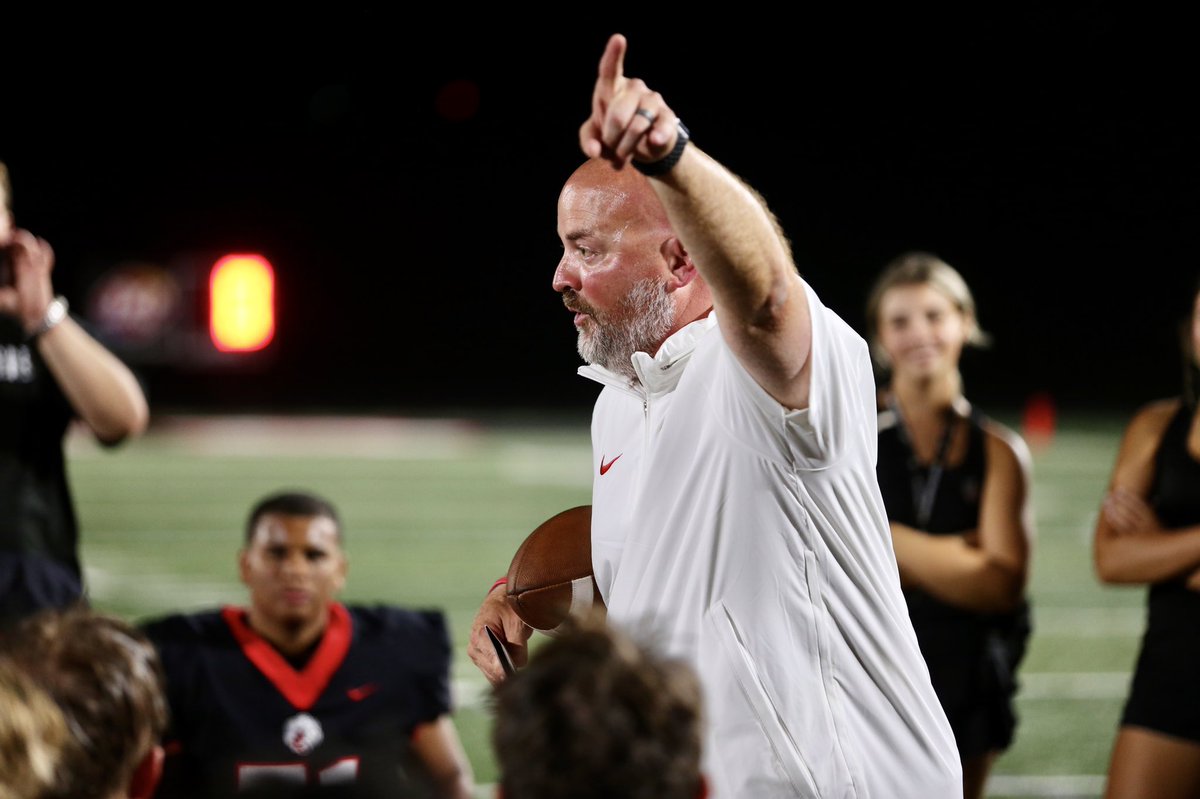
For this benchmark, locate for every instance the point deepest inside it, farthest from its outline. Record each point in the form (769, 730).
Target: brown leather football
(550, 577)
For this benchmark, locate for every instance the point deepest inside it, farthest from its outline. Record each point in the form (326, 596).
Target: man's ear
(244, 565)
(702, 788)
(679, 263)
(343, 570)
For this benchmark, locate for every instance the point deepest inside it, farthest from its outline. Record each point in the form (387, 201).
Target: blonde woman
(956, 488)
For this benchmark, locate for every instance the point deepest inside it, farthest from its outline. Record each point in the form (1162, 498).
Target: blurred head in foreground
(32, 732)
(597, 714)
(105, 677)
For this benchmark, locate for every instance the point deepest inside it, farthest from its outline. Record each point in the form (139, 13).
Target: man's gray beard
(638, 324)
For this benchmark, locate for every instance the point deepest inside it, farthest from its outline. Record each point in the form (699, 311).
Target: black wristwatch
(665, 164)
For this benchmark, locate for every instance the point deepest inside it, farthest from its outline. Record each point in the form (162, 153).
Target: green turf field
(434, 509)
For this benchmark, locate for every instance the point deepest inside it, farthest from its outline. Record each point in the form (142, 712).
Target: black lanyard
(924, 487)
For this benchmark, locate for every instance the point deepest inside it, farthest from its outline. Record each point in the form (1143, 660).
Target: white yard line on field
(155, 588)
(472, 690)
(1082, 685)
(384, 437)
(1069, 786)
(1077, 622)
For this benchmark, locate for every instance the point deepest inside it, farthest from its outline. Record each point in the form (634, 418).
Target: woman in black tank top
(1148, 531)
(956, 488)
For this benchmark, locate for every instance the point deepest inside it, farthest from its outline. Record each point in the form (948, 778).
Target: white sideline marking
(472, 690)
(564, 461)
(1073, 685)
(1076, 622)
(156, 588)
(558, 465)
(1076, 786)
(1060, 786)
(376, 437)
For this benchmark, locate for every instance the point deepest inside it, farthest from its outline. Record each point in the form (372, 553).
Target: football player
(298, 692)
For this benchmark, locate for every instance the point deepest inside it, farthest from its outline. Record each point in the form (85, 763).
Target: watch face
(56, 311)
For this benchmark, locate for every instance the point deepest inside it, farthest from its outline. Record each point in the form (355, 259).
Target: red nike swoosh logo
(604, 467)
(362, 692)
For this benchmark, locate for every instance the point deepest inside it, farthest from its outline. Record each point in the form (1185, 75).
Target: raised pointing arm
(730, 234)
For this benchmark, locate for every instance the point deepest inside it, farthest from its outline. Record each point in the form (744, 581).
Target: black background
(1048, 154)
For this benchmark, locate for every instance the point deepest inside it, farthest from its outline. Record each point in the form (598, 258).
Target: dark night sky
(1047, 154)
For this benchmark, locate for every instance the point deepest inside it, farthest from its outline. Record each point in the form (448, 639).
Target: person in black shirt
(956, 488)
(51, 372)
(298, 694)
(1148, 532)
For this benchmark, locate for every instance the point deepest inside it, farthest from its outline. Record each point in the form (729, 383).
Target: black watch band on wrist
(665, 164)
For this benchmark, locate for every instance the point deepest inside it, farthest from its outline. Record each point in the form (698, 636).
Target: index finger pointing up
(612, 63)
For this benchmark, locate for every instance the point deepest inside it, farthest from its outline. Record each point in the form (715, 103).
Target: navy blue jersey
(244, 720)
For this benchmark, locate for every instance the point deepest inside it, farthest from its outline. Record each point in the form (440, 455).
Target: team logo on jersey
(302, 733)
(362, 692)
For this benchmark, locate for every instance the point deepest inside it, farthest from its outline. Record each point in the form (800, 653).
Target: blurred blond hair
(32, 732)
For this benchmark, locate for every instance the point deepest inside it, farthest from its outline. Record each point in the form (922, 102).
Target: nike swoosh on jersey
(604, 467)
(362, 692)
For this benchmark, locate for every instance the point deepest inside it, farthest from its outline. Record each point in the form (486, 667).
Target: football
(550, 577)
